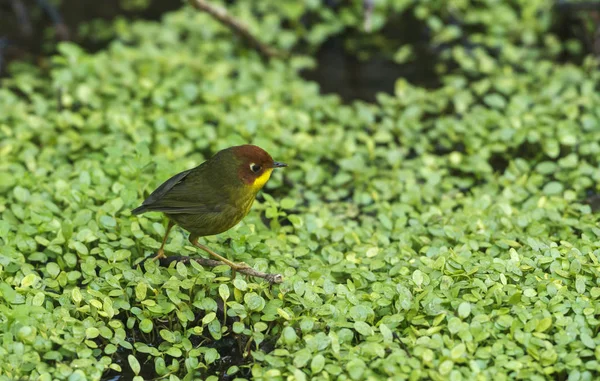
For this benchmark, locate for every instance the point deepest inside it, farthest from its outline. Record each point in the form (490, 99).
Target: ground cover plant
(435, 234)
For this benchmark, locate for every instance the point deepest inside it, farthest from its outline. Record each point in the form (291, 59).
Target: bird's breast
(244, 202)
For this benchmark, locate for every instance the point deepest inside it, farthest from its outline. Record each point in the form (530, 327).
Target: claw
(160, 254)
(240, 266)
(235, 267)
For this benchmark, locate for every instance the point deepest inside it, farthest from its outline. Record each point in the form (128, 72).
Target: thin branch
(564, 5)
(271, 278)
(368, 6)
(22, 17)
(237, 26)
(3, 46)
(62, 31)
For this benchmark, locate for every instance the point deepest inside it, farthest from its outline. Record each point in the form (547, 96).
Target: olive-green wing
(178, 195)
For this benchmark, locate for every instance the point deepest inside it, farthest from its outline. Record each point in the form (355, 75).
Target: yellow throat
(262, 179)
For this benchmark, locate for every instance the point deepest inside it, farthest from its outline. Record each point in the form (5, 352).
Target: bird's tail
(139, 210)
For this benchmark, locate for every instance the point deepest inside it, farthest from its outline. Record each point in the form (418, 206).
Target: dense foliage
(437, 234)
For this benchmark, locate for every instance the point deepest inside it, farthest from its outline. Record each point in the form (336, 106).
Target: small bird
(214, 196)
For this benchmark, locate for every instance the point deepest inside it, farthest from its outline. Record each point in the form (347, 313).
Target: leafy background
(436, 233)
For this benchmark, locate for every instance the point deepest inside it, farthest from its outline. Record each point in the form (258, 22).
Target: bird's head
(254, 165)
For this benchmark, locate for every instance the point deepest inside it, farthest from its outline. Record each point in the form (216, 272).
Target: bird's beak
(279, 165)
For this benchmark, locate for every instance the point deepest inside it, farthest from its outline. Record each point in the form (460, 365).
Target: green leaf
(254, 301)
(140, 291)
(211, 356)
(167, 336)
(92, 333)
(417, 277)
(580, 284)
(209, 317)
(81, 248)
(53, 269)
(587, 340)
(464, 310)
(553, 188)
(287, 203)
(495, 101)
(240, 284)
(76, 295)
(387, 334)
(446, 367)
(174, 352)
(301, 358)
(108, 222)
(289, 335)
(146, 325)
(238, 327)
(224, 292)
(134, 364)
(317, 363)
(29, 280)
(22, 195)
(181, 269)
(363, 328)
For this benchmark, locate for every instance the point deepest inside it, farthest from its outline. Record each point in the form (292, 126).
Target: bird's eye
(255, 168)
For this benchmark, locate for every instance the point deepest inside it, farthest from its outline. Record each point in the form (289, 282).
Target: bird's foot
(235, 267)
(159, 254)
(240, 266)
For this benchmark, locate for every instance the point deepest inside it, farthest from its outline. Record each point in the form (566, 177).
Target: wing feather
(165, 187)
(174, 197)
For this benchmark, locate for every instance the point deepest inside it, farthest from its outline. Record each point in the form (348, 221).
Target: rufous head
(254, 165)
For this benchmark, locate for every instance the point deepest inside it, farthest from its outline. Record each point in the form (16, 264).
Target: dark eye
(255, 168)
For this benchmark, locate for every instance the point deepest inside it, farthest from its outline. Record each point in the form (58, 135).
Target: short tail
(139, 210)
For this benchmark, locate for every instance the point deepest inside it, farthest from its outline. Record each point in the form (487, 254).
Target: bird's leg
(161, 252)
(234, 266)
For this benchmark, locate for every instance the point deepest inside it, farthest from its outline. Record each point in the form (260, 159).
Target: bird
(212, 197)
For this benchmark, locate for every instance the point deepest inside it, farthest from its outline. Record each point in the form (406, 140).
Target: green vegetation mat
(437, 234)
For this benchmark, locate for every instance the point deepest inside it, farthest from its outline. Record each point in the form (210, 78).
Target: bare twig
(564, 5)
(62, 31)
(238, 27)
(59, 96)
(3, 45)
(368, 6)
(271, 278)
(22, 17)
(595, 38)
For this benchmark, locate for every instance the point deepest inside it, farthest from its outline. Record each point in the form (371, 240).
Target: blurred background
(360, 46)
